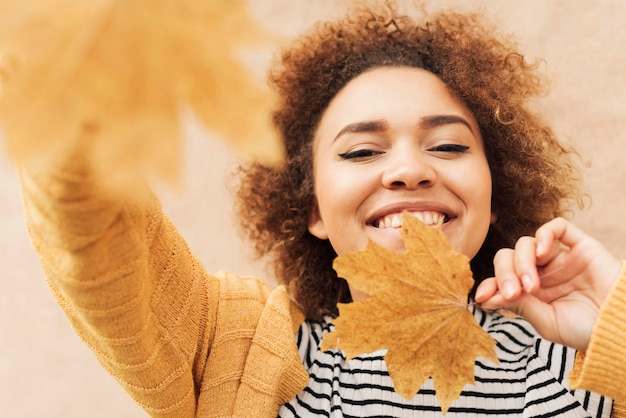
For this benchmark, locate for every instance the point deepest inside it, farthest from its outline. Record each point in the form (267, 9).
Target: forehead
(397, 94)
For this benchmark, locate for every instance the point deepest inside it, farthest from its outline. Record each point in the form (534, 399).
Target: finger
(494, 303)
(559, 230)
(562, 249)
(495, 300)
(486, 289)
(546, 234)
(526, 263)
(506, 278)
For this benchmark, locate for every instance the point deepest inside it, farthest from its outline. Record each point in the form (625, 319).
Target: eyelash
(366, 153)
(457, 148)
(359, 153)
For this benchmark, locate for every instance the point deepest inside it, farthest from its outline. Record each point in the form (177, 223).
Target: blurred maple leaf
(417, 310)
(126, 70)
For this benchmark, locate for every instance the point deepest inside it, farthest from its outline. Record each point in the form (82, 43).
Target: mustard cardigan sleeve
(603, 367)
(128, 284)
(177, 339)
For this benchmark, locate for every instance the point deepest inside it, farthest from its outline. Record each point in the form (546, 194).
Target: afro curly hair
(534, 176)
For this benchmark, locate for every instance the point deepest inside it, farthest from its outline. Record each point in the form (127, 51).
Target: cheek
(476, 186)
(480, 194)
(338, 191)
(479, 201)
(475, 189)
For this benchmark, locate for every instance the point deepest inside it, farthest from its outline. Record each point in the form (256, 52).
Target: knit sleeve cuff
(604, 362)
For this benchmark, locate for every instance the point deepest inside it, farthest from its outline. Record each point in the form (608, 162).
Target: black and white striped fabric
(530, 381)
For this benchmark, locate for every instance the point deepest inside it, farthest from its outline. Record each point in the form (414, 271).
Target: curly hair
(534, 176)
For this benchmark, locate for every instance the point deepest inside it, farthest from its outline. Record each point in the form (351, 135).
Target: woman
(379, 115)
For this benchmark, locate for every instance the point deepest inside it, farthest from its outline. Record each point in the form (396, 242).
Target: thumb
(539, 314)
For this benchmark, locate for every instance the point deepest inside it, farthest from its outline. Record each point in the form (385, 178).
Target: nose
(408, 170)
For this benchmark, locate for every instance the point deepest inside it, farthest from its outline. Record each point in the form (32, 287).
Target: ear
(494, 218)
(316, 224)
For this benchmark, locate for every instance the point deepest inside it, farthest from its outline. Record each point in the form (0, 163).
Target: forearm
(111, 263)
(89, 245)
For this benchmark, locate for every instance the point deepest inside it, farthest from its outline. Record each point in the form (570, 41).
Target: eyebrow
(369, 126)
(427, 122)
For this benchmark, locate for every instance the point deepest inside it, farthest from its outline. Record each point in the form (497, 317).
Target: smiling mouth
(394, 220)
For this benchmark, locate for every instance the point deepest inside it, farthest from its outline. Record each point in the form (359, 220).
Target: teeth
(395, 220)
(421, 216)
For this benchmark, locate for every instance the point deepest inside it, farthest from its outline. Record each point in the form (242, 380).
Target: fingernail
(508, 290)
(527, 282)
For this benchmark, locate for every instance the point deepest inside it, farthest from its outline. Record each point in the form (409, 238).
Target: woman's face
(395, 139)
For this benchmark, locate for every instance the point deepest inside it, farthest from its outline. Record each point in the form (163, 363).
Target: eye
(359, 154)
(452, 148)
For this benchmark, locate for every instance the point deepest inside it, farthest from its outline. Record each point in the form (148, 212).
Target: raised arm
(127, 281)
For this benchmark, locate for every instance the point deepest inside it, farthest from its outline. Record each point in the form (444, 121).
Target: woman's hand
(557, 280)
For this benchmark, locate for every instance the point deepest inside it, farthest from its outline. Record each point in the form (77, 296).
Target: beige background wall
(46, 371)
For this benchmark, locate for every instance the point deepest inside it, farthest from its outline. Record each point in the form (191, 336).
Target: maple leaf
(128, 70)
(417, 310)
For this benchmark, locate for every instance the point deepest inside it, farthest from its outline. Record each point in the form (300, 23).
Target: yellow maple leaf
(417, 310)
(127, 70)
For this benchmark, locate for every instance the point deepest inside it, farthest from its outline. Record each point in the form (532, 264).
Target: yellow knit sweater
(184, 343)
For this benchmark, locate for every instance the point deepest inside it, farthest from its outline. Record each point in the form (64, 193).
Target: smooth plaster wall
(45, 370)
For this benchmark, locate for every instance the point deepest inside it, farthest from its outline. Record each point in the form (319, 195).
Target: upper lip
(410, 207)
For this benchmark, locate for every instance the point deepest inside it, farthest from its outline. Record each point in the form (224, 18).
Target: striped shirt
(530, 381)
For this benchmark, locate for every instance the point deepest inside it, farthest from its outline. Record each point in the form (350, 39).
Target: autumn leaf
(417, 310)
(129, 71)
